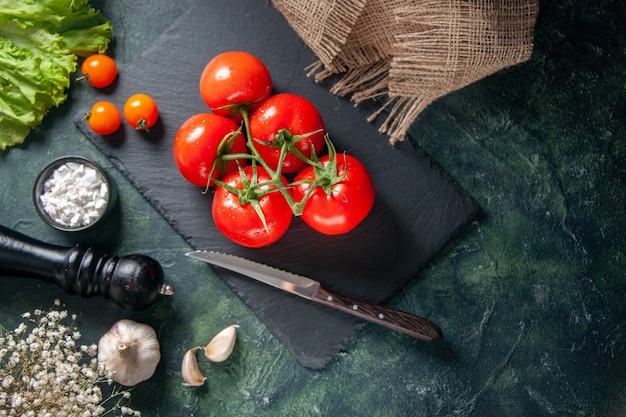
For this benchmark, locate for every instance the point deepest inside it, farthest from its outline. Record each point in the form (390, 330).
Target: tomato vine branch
(326, 175)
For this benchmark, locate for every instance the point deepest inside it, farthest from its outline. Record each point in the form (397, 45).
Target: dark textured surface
(417, 207)
(531, 296)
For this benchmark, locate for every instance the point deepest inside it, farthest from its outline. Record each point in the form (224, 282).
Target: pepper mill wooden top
(133, 282)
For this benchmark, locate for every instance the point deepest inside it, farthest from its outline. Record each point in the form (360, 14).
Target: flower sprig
(46, 372)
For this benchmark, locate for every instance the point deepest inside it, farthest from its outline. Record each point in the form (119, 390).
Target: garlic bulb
(221, 346)
(190, 370)
(129, 352)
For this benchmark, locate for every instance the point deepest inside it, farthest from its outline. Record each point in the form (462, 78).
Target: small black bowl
(77, 196)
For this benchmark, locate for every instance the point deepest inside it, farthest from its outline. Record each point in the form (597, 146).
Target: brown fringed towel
(410, 52)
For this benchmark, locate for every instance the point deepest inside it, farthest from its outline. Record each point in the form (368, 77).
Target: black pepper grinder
(133, 282)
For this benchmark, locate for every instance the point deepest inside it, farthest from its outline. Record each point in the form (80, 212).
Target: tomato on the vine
(104, 118)
(248, 218)
(344, 196)
(141, 111)
(291, 120)
(234, 80)
(197, 145)
(100, 70)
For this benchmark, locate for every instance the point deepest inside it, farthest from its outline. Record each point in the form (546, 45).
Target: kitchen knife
(400, 321)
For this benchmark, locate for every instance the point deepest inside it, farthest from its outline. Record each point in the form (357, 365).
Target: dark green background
(530, 296)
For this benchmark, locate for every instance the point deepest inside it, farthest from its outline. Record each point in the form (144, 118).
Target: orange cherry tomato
(141, 111)
(104, 118)
(100, 70)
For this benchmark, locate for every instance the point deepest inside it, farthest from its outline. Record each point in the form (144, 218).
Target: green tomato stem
(256, 157)
(325, 176)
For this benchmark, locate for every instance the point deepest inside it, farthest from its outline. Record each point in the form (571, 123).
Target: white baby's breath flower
(130, 412)
(14, 359)
(88, 372)
(44, 372)
(10, 343)
(20, 329)
(6, 383)
(70, 343)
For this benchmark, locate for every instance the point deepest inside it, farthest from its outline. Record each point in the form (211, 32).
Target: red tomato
(238, 220)
(285, 118)
(100, 70)
(104, 118)
(141, 111)
(339, 206)
(234, 80)
(197, 145)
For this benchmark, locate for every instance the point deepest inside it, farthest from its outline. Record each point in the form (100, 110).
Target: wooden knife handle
(409, 324)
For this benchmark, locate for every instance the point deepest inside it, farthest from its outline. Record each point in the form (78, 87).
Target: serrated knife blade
(398, 320)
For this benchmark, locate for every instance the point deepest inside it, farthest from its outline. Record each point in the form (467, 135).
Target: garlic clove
(221, 346)
(129, 352)
(190, 370)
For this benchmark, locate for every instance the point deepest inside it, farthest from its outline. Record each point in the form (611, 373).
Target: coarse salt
(75, 195)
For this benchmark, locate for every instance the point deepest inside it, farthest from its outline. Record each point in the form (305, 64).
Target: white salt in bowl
(73, 193)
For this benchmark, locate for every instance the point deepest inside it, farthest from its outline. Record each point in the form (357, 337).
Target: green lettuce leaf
(39, 44)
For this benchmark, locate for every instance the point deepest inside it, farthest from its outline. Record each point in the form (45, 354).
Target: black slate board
(417, 208)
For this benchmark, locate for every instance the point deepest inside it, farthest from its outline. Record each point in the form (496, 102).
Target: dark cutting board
(417, 207)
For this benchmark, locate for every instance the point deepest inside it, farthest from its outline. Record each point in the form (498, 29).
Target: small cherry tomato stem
(235, 156)
(275, 174)
(223, 156)
(298, 207)
(326, 176)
